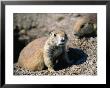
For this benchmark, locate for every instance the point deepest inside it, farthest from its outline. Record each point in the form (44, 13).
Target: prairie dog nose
(63, 40)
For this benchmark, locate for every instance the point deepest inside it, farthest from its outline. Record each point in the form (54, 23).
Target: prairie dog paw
(51, 70)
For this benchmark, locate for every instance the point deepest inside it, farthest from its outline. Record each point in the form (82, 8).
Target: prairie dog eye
(54, 35)
(66, 36)
(82, 25)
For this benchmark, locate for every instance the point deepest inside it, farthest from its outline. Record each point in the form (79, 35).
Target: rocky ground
(83, 50)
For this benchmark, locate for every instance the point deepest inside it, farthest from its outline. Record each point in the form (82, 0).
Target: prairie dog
(85, 25)
(44, 52)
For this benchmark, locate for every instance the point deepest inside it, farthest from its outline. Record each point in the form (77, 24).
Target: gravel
(27, 27)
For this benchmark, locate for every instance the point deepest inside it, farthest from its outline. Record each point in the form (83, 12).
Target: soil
(28, 27)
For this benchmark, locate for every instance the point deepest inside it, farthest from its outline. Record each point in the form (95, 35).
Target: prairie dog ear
(50, 33)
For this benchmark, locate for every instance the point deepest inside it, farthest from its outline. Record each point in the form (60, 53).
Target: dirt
(83, 50)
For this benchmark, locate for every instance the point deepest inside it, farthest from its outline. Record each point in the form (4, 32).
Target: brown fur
(36, 55)
(85, 25)
(31, 57)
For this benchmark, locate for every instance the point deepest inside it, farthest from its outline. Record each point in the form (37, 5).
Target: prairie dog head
(84, 25)
(58, 38)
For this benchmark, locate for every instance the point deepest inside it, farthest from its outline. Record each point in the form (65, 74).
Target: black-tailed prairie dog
(85, 25)
(44, 52)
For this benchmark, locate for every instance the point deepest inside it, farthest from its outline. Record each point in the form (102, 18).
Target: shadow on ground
(77, 56)
(18, 45)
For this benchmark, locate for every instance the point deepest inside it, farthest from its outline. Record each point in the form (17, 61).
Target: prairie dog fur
(85, 25)
(44, 52)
